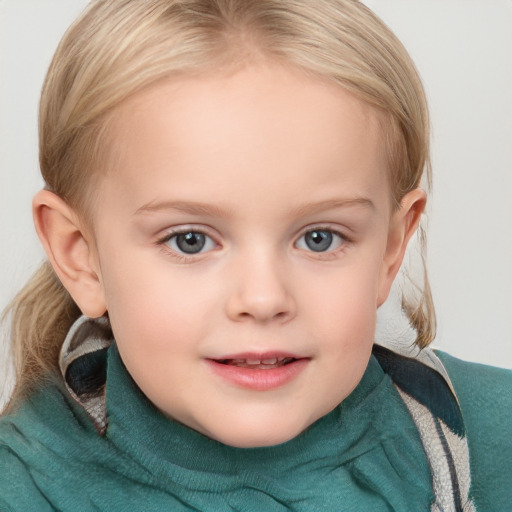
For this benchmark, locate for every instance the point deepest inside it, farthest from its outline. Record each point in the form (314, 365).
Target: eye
(190, 242)
(320, 240)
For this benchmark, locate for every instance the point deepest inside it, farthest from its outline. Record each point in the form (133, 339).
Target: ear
(404, 223)
(69, 251)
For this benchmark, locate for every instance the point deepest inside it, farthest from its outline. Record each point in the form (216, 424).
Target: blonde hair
(118, 47)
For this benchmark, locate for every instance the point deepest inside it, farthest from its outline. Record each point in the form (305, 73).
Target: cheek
(346, 295)
(342, 310)
(150, 300)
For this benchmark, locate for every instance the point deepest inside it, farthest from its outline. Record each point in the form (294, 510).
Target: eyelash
(164, 242)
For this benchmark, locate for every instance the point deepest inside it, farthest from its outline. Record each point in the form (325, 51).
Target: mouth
(256, 363)
(259, 372)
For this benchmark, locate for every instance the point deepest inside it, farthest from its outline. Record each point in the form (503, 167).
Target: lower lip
(259, 380)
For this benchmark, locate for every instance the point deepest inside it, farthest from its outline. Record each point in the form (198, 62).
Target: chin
(257, 441)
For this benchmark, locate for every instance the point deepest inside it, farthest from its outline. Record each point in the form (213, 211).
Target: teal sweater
(365, 455)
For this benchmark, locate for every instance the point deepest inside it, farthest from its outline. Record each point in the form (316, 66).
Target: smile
(259, 372)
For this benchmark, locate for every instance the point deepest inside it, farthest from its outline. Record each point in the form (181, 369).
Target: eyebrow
(332, 204)
(191, 208)
(211, 210)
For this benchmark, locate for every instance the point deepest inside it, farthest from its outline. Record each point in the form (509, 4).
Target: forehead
(263, 127)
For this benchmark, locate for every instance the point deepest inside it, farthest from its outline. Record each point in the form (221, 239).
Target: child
(230, 190)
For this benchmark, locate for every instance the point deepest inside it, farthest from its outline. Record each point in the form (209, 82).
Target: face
(243, 241)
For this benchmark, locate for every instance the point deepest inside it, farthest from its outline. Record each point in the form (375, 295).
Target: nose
(260, 291)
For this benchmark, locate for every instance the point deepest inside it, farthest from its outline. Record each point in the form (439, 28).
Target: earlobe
(69, 251)
(403, 225)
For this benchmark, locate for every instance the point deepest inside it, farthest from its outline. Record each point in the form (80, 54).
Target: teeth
(269, 361)
(272, 360)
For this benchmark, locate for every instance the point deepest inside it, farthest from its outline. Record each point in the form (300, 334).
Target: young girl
(230, 190)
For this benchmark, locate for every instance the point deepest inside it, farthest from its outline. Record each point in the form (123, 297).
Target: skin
(254, 159)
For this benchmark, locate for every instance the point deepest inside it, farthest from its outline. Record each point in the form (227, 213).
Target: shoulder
(484, 392)
(18, 491)
(485, 397)
(48, 415)
(37, 442)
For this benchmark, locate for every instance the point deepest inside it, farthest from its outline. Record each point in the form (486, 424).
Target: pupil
(318, 241)
(190, 243)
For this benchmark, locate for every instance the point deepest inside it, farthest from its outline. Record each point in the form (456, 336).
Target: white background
(463, 50)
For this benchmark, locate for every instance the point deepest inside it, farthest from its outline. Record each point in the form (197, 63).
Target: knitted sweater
(364, 455)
